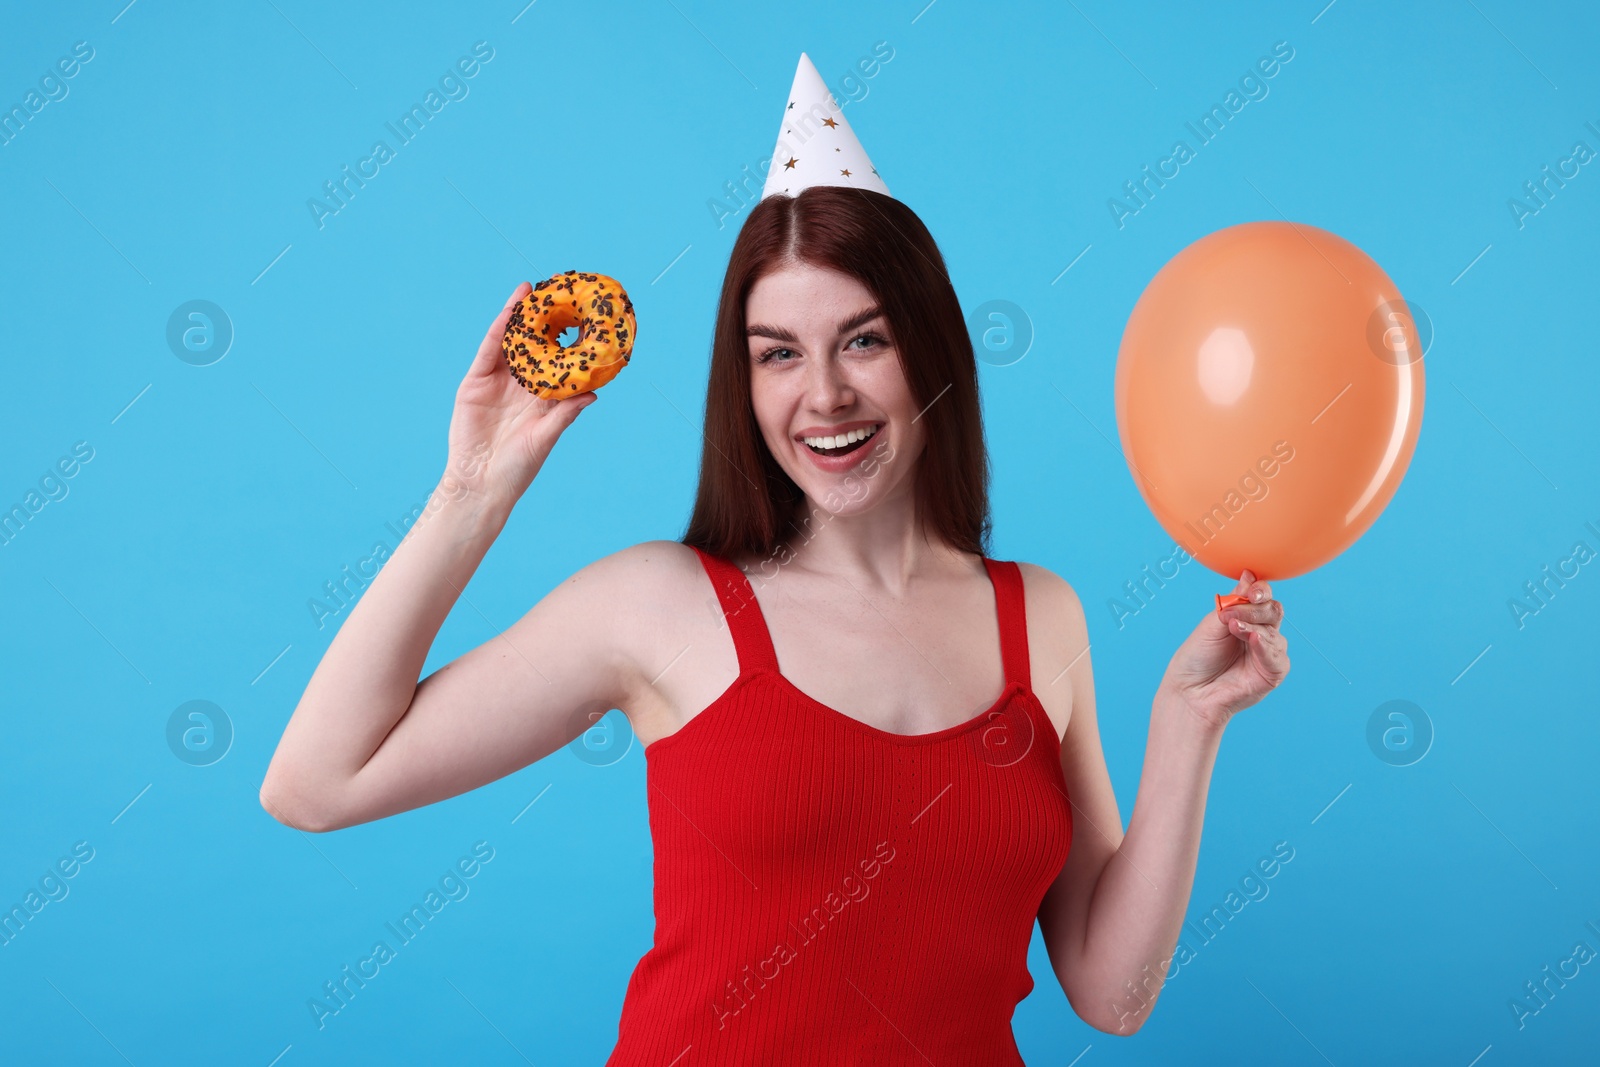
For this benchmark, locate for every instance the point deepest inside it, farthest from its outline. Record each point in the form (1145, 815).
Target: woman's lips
(841, 463)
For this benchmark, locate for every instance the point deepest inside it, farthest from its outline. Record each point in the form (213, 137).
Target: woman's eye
(772, 355)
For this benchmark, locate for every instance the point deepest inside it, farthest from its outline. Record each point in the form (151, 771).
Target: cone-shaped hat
(816, 146)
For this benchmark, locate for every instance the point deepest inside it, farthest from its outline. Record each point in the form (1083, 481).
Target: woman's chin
(846, 485)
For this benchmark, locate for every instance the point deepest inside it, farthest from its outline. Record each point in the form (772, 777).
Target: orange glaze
(598, 306)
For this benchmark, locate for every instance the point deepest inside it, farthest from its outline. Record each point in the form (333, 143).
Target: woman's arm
(1113, 916)
(365, 739)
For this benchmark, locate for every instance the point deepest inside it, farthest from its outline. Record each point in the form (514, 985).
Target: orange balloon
(1269, 393)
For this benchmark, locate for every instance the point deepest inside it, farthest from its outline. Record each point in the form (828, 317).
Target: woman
(853, 834)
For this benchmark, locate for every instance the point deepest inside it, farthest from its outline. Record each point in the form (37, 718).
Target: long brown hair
(746, 503)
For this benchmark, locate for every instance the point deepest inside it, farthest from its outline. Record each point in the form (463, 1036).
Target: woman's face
(823, 366)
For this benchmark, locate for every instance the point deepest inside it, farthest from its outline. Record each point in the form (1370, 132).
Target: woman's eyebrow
(778, 333)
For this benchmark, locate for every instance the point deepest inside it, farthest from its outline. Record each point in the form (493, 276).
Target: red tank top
(827, 892)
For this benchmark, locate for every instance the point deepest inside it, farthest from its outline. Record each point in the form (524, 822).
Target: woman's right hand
(500, 433)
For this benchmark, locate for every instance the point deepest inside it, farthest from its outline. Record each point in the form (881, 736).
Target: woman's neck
(885, 547)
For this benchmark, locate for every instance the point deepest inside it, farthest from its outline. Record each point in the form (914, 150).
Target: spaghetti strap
(751, 640)
(1009, 605)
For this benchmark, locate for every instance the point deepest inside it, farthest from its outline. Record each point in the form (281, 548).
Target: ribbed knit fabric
(827, 892)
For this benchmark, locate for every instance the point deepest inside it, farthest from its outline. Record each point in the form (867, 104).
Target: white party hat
(816, 146)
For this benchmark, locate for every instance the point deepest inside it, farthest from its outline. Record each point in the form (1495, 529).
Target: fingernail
(1257, 596)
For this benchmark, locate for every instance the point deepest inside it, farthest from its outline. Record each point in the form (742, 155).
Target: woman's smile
(842, 448)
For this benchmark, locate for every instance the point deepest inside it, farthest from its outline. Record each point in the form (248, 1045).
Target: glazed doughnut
(598, 306)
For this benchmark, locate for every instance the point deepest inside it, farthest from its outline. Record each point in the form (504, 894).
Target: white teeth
(840, 440)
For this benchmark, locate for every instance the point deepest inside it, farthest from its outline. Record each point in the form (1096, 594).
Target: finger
(577, 403)
(1265, 639)
(489, 352)
(1260, 592)
(562, 414)
(1268, 614)
(1245, 578)
(1255, 637)
(1271, 649)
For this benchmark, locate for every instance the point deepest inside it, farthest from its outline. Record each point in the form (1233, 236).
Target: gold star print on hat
(815, 144)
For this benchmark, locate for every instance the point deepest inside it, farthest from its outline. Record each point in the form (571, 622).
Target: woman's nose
(826, 386)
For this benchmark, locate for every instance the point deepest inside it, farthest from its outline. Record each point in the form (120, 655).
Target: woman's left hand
(1230, 662)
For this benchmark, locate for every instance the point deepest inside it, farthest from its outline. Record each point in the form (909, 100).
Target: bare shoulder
(640, 586)
(1058, 640)
(1051, 600)
(644, 595)
(652, 562)
(667, 629)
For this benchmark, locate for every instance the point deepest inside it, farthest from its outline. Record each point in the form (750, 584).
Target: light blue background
(180, 564)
